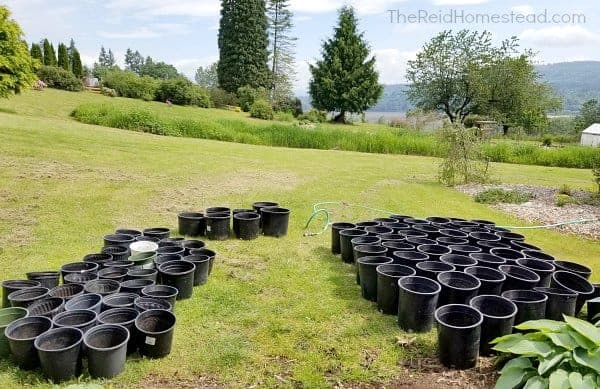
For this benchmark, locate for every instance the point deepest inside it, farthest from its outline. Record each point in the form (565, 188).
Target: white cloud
(459, 2)
(560, 36)
(151, 8)
(523, 9)
(391, 64)
(364, 7)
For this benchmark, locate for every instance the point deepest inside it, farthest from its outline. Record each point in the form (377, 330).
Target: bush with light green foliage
(129, 84)
(59, 78)
(498, 195)
(247, 95)
(313, 116)
(182, 91)
(262, 109)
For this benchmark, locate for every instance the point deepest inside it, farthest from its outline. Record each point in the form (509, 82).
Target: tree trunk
(340, 118)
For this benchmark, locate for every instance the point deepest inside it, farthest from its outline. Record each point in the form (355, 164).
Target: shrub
(551, 354)
(129, 84)
(464, 162)
(108, 92)
(221, 98)
(59, 78)
(290, 105)
(284, 116)
(313, 116)
(199, 97)
(563, 199)
(262, 109)
(181, 91)
(247, 95)
(565, 190)
(497, 195)
(547, 140)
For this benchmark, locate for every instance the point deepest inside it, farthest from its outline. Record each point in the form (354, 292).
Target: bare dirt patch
(542, 209)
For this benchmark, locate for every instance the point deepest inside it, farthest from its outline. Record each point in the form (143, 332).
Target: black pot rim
(541, 297)
(432, 283)
(57, 302)
(369, 240)
(441, 310)
(485, 257)
(43, 274)
(375, 260)
(525, 262)
(362, 247)
(458, 274)
(55, 331)
(107, 299)
(150, 312)
(411, 255)
(19, 283)
(95, 297)
(476, 268)
(275, 210)
(102, 316)
(394, 244)
(162, 268)
(58, 317)
(506, 269)
(24, 320)
(167, 306)
(581, 280)
(190, 215)
(497, 298)
(452, 259)
(89, 267)
(17, 293)
(342, 225)
(556, 291)
(104, 327)
(384, 268)
(121, 238)
(426, 249)
(430, 266)
(173, 289)
(141, 272)
(246, 216)
(573, 267)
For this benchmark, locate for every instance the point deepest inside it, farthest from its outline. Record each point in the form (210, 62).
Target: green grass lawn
(275, 312)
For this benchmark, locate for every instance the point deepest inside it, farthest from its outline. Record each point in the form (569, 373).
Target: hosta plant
(551, 354)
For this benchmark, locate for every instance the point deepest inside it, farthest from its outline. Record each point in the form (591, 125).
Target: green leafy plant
(464, 162)
(59, 78)
(547, 140)
(565, 190)
(563, 199)
(551, 354)
(313, 116)
(498, 195)
(262, 109)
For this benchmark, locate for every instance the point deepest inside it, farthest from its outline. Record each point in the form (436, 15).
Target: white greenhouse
(591, 136)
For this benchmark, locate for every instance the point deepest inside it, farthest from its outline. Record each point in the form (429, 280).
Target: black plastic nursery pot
(573, 267)
(142, 274)
(508, 237)
(47, 307)
(128, 231)
(434, 251)
(408, 258)
(336, 228)
(397, 227)
(430, 230)
(414, 221)
(593, 309)
(536, 254)
(217, 226)
(517, 245)
(459, 335)
(438, 220)
(25, 297)
(518, 277)
(488, 260)
(90, 301)
(418, 241)
(387, 286)
(460, 262)
(78, 267)
(135, 286)
(157, 232)
(365, 224)
(447, 240)
(47, 279)
(475, 237)
(142, 260)
(575, 283)
(171, 241)
(531, 305)
(431, 269)
(192, 244)
(124, 317)
(82, 319)
(275, 221)
(457, 287)
(210, 253)
(191, 223)
(346, 248)
(10, 286)
(113, 273)
(168, 250)
(378, 230)
(367, 268)
(464, 249)
(417, 299)
(560, 302)
(383, 220)
(102, 287)
(367, 239)
(118, 253)
(393, 246)
(491, 279)
(7, 316)
(119, 300)
(543, 269)
(60, 354)
(156, 328)
(486, 246)
(98, 258)
(246, 225)
(166, 258)
(121, 240)
(213, 210)
(162, 292)
(498, 319)
(80, 278)
(106, 350)
(202, 263)
(391, 237)
(509, 255)
(178, 274)
(143, 238)
(142, 304)
(21, 334)
(452, 233)
(367, 250)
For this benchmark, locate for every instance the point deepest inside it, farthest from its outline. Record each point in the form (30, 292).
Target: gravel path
(542, 209)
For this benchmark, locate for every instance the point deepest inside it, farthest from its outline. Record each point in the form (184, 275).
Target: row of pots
(430, 270)
(110, 304)
(265, 216)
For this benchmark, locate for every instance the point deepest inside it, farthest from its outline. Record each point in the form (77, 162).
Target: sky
(184, 32)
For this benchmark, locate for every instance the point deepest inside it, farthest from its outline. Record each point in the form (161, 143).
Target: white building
(591, 136)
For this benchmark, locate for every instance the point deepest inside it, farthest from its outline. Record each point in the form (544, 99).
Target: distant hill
(576, 82)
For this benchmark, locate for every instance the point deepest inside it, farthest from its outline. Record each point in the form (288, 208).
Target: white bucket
(142, 247)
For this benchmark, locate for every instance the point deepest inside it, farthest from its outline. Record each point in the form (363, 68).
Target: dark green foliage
(262, 109)
(292, 105)
(49, 54)
(129, 84)
(313, 116)
(106, 59)
(220, 98)
(207, 77)
(589, 113)
(497, 195)
(59, 78)
(345, 79)
(76, 66)
(63, 57)
(464, 162)
(182, 91)
(134, 61)
(243, 44)
(158, 70)
(36, 52)
(247, 95)
(17, 67)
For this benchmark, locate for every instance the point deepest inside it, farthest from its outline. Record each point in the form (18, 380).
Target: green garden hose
(319, 208)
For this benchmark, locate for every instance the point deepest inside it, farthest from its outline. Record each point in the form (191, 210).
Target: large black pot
(491, 279)
(47, 307)
(80, 278)
(393, 246)
(21, 334)
(106, 350)
(99, 258)
(498, 319)
(431, 269)
(118, 253)
(142, 274)
(346, 248)
(460, 262)
(531, 305)
(488, 260)
(119, 300)
(434, 251)
(128, 231)
(367, 266)
(560, 302)
(202, 263)
(246, 225)
(59, 351)
(25, 297)
(573, 267)
(191, 223)
(192, 244)
(218, 226)
(78, 267)
(387, 286)
(518, 277)
(417, 299)
(486, 245)
(157, 232)
(90, 301)
(457, 287)
(113, 273)
(367, 239)
(121, 240)
(82, 319)
(135, 286)
(163, 292)
(275, 221)
(47, 279)
(179, 274)
(209, 253)
(124, 317)
(543, 269)
(10, 286)
(156, 329)
(536, 254)
(367, 250)
(459, 333)
(575, 283)
(335, 235)
(102, 287)
(7, 316)
(147, 303)
(509, 255)
(408, 258)
(170, 250)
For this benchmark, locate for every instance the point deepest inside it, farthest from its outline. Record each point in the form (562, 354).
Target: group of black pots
(476, 280)
(109, 305)
(216, 222)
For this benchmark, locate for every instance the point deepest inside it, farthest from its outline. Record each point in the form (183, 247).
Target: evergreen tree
(76, 66)
(49, 54)
(70, 50)
(243, 42)
(281, 44)
(106, 59)
(133, 61)
(111, 59)
(63, 56)
(207, 77)
(36, 52)
(345, 79)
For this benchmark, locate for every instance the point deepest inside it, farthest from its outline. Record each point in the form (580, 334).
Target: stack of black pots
(472, 278)
(215, 223)
(109, 305)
